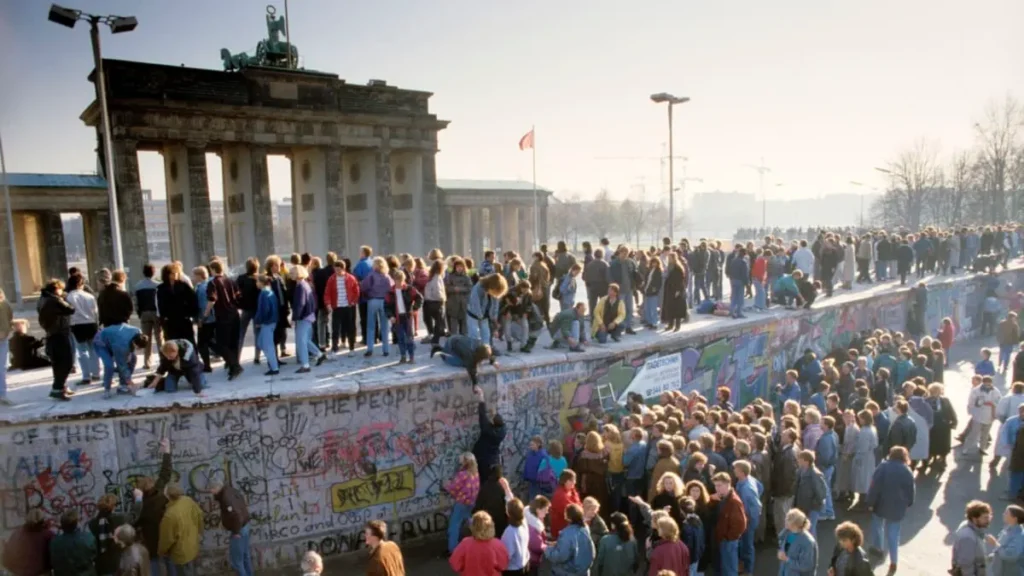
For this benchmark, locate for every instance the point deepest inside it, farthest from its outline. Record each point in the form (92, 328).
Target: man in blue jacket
(115, 345)
(265, 321)
(891, 495)
(635, 462)
(738, 272)
(826, 454)
(749, 491)
(361, 270)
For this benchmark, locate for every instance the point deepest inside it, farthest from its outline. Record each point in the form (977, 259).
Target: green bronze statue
(270, 52)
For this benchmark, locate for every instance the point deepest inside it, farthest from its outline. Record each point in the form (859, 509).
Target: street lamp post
(861, 185)
(69, 17)
(761, 170)
(664, 97)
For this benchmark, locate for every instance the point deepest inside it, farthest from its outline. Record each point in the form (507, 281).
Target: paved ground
(926, 536)
(348, 374)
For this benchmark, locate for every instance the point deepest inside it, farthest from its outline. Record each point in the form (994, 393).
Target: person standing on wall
(223, 298)
(115, 304)
(149, 317)
(55, 318)
(234, 516)
(249, 296)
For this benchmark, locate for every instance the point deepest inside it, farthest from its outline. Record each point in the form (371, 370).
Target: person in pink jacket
(480, 554)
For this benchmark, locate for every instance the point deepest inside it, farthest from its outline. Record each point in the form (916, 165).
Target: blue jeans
(760, 296)
(479, 329)
(245, 319)
(375, 317)
(156, 561)
(602, 336)
(700, 288)
(239, 553)
(651, 309)
(812, 517)
(1016, 483)
(460, 513)
(574, 333)
(179, 569)
(882, 269)
(111, 363)
(736, 298)
(265, 342)
(4, 360)
(1005, 350)
(627, 297)
(406, 339)
(616, 490)
(304, 342)
(88, 361)
(892, 536)
(828, 510)
(746, 548)
(728, 555)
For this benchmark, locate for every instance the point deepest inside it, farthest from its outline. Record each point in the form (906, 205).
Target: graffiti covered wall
(314, 471)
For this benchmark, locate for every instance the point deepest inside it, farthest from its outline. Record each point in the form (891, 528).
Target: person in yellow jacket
(609, 314)
(181, 530)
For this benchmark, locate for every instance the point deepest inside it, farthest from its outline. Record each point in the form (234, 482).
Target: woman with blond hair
(463, 488)
(616, 468)
(592, 469)
(375, 288)
(798, 551)
(304, 313)
(480, 553)
(668, 553)
(483, 307)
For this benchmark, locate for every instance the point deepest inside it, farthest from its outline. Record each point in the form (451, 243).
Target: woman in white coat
(919, 453)
(847, 452)
(849, 263)
(864, 455)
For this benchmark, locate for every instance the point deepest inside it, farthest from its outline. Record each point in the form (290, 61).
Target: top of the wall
(351, 375)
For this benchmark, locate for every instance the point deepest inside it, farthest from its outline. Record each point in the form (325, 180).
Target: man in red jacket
(341, 296)
(732, 523)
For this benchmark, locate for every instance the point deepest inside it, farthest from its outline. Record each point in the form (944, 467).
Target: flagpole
(536, 214)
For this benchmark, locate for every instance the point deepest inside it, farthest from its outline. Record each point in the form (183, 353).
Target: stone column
(309, 200)
(476, 234)
(262, 211)
(335, 200)
(7, 257)
(433, 232)
(385, 202)
(510, 228)
(497, 224)
(99, 248)
(199, 204)
(454, 223)
(543, 224)
(131, 215)
(54, 253)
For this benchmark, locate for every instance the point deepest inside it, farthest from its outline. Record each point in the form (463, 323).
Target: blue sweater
(304, 302)
(827, 450)
(574, 552)
(749, 491)
(635, 460)
(266, 308)
(118, 340)
(802, 555)
(892, 490)
(362, 268)
(481, 305)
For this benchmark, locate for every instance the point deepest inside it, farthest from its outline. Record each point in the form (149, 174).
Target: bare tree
(998, 137)
(633, 214)
(565, 218)
(603, 214)
(915, 174)
(948, 202)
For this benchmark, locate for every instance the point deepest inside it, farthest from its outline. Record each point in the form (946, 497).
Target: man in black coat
(487, 449)
(902, 430)
(115, 303)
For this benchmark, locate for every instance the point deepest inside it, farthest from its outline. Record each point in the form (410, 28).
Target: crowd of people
(679, 486)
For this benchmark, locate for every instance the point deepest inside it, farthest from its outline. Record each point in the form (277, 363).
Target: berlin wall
(315, 470)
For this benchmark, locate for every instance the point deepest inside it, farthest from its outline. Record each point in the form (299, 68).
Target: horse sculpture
(271, 51)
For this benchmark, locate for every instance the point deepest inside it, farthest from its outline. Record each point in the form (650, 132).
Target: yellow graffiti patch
(385, 487)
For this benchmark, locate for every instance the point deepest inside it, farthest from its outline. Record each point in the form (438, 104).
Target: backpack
(546, 476)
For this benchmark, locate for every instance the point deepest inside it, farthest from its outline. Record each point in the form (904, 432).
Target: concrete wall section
(315, 469)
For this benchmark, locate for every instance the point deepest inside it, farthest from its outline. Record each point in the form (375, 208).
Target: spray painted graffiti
(314, 471)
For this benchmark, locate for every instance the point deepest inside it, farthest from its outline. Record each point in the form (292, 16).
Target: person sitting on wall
(178, 359)
(26, 350)
(465, 352)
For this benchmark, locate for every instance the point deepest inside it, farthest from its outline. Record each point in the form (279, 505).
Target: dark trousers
(700, 288)
(62, 357)
(920, 267)
(343, 327)
(545, 304)
(227, 338)
(903, 275)
(207, 337)
(433, 317)
(863, 270)
(827, 278)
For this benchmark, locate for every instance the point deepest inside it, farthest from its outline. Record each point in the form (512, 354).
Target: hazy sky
(824, 90)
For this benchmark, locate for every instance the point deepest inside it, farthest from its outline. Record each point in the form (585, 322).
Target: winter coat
(692, 534)
(902, 432)
(969, 550)
(1009, 332)
(849, 264)
(54, 314)
(1008, 556)
(411, 300)
(303, 302)
(892, 490)
(661, 467)
(181, 531)
(599, 314)
(596, 277)
(673, 306)
(847, 451)
(27, 551)
(267, 308)
(623, 271)
(73, 554)
(457, 287)
(331, 300)
(669, 555)
(653, 282)
(809, 493)
(474, 557)
(750, 492)
(615, 557)
(375, 286)
(731, 521)
(108, 553)
(559, 502)
(864, 460)
(591, 470)
(177, 304)
(920, 449)
(801, 556)
(784, 470)
(573, 554)
(386, 560)
(858, 563)
(481, 305)
(488, 445)
(154, 503)
(115, 304)
(982, 403)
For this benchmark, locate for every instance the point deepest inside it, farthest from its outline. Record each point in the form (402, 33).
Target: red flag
(526, 142)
